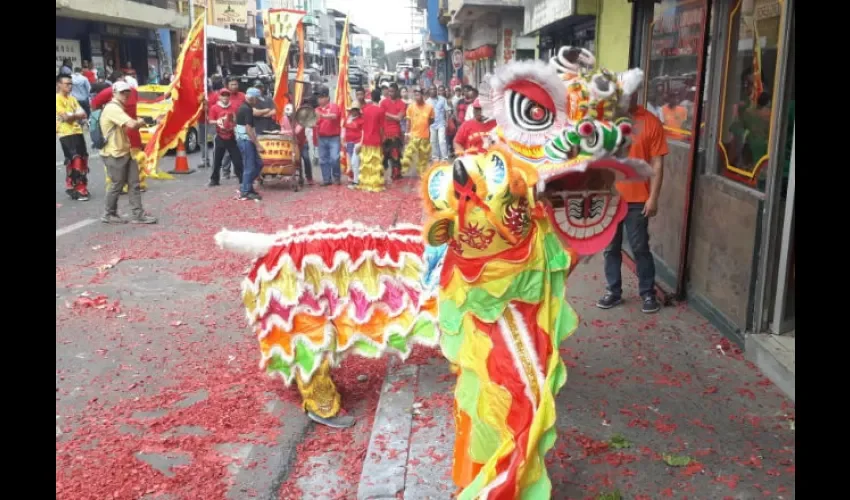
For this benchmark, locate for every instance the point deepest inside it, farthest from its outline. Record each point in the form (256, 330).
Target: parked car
(248, 74)
(356, 76)
(153, 103)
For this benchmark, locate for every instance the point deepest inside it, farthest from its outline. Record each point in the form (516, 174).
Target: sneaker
(255, 195)
(250, 197)
(83, 197)
(143, 219)
(352, 186)
(310, 183)
(326, 184)
(226, 175)
(650, 304)
(112, 219)
(213, 184)
(608, 301)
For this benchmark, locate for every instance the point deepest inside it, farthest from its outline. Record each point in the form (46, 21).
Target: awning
(437, 32)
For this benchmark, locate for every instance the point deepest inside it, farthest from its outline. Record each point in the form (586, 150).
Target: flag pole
(205, 160)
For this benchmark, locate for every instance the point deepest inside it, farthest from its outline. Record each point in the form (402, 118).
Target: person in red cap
(472, 133)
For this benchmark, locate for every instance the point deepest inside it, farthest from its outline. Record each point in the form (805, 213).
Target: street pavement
(158, 392)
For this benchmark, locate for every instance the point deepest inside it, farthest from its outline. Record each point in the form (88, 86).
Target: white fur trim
(244, 242)
(541, 74)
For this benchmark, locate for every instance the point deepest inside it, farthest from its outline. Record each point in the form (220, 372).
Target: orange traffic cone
(181, 163)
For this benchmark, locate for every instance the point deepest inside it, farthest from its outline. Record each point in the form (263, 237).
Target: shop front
(558, 23)
(720, 76)
(110, 47)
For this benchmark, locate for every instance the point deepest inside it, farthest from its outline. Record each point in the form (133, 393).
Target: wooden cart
(281, 159)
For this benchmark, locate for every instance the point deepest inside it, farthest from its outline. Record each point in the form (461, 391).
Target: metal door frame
(779, 325)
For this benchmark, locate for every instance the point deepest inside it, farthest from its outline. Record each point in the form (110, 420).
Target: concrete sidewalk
(656, 406)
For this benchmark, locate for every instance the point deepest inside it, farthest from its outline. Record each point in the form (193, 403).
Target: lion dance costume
(323, 291)
(505, 227)
(515, 220)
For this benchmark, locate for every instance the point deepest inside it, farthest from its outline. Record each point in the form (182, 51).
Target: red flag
(187, 97)
(343, 93)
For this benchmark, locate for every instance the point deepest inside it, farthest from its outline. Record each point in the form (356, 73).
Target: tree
(378, 54)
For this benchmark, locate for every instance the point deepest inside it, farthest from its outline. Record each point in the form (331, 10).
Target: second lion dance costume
(504, 229)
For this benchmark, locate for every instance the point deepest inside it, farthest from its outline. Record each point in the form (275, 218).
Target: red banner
(187, 97)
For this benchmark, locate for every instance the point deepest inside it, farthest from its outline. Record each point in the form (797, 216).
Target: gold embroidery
(319, 394)
(525, 360)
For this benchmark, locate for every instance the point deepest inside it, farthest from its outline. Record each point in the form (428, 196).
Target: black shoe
(256, 195)
(213, 184)
(226, 175)
(608, 301)
(650, 304)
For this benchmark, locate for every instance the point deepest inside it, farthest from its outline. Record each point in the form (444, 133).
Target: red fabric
(461, 109)
(471, 133)
(392, 128)
(105, 96)
(355, 245)
(326, 127)
(354, 130)
(471, 268)
(534, 92)
(301, 135)
(89, 74)
(374, 120)
(229, 114)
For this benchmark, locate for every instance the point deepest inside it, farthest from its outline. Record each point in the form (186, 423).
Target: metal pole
(205, 160)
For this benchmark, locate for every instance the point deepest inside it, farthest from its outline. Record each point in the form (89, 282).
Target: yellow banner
(230, 12)
(279, 27)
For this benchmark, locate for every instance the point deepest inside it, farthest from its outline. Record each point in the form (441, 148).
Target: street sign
(457, 59)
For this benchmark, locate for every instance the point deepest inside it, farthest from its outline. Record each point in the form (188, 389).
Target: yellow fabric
(112, 120)
(65, 105)
(371, 169)
(319, 394)
(420, 116)
(417, 148)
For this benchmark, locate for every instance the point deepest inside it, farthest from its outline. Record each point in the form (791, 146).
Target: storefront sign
(68, 49)
(508, 45)
(230, 12)
(542, 13)
(767, 9)
(123, 31)
(457, 59)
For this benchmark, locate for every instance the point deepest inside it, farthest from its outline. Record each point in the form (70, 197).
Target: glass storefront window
(672, 65)
(748, 86)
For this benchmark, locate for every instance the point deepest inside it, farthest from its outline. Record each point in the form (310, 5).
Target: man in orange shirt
(420, 114)
(649, 144)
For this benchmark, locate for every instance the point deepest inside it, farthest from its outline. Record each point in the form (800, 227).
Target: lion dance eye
(528, 113)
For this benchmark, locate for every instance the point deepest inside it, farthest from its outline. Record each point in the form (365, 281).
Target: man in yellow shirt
(68, 116)
(121, 168)
(420, 116)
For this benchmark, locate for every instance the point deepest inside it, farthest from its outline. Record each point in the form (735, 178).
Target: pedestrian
(118, 158)
(360, 96)
(249, 146)
(385, 91)
(473, 134)
(462, 106)
(304, 150)
(648, 144)
(353, 136)
(264, 111)
(421, 116)
(128, 69)
(87, 72)
(439, 149)
(407, 76)
(68, 116)
(371, 175)
(328, 132)
(394, 111)
(458, 95)
(66, 69)
(81, 90)
(406, 98)
(130, 107)
(471, 96)
(236, 99)
(223, 116)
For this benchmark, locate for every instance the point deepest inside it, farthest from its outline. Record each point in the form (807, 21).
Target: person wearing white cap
(118, 159)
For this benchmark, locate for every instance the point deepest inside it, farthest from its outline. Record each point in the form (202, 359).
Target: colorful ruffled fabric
(327, 290)
(502, 320)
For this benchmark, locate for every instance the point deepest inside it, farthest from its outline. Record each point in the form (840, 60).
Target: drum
(277, 157)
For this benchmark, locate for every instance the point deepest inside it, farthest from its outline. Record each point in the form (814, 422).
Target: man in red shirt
(648, 144)
(236, 100)
(105, 96)
(394, 111)
(328, 132)
(371, 175)
(88, 73)
(472, 133)
(222, 115)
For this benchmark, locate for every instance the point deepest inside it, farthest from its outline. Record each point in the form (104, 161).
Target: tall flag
(299, 76)
(187, 97)
(343, 92)
(279, 27)
(758, 83)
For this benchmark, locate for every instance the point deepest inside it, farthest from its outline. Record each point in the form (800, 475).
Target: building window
(748, 86)
(672, 65)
